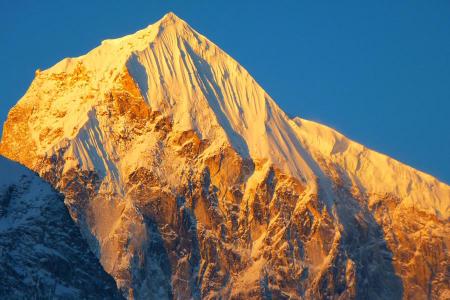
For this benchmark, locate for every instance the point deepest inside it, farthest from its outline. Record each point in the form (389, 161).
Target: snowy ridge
(373, 172)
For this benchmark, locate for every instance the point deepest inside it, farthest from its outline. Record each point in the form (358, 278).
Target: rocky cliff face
(188, 181)
(42, 253)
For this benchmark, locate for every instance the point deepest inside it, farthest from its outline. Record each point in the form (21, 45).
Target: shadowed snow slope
(42, 253)
(188, 180)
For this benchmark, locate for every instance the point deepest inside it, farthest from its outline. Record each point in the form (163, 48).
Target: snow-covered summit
(182, 74)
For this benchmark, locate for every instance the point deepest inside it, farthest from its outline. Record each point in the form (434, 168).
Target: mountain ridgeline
(188, 181)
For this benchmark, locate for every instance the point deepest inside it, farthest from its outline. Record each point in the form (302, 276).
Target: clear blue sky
(378, 71)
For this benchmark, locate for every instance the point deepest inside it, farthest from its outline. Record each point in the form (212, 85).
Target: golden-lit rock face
(188, 181)
(16, 142)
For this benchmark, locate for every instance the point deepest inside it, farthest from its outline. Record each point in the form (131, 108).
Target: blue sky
(377, 71)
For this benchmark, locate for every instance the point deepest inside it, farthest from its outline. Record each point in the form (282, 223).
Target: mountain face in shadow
(42, 252)
(188, 181)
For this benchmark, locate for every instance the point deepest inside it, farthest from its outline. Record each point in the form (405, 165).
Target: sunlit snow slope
(188, 180)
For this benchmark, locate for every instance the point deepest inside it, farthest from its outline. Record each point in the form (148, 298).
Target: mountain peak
(171, 17)
(170, 20)
(177, 165)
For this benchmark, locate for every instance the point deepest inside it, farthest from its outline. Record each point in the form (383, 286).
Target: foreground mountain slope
(42, 253)
(188, 180)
